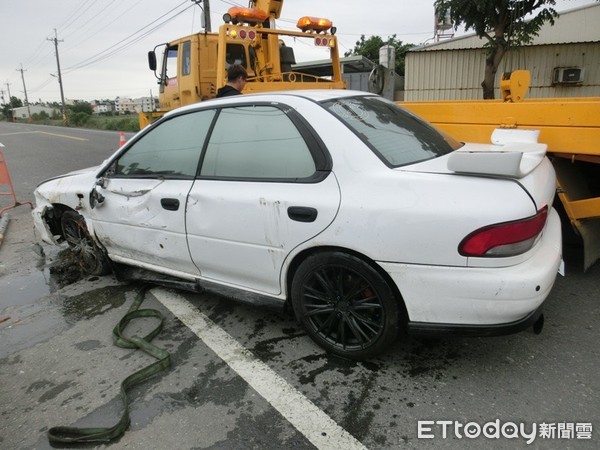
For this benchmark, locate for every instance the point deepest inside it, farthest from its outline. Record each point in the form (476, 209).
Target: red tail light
(504, 239)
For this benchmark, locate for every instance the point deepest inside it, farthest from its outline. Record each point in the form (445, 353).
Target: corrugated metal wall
(457, 74)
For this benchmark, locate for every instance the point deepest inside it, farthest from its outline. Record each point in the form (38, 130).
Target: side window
(256, 142)
(186, 61)
(252, 68)
(236, 54)
(171, 149)
(171, 63)
(169, 68)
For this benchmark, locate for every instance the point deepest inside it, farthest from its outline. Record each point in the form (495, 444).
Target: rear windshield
(395, 135)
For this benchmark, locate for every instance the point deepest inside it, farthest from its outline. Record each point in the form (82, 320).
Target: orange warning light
(317, 24)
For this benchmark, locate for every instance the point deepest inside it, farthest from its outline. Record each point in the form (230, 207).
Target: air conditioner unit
(567, 75)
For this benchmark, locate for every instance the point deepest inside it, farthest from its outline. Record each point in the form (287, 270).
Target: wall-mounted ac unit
(567, 75)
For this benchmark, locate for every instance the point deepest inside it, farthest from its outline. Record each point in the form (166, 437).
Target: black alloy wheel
(345, 305)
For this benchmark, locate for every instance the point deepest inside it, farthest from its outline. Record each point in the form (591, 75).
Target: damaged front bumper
(57, 194)
(39, 213)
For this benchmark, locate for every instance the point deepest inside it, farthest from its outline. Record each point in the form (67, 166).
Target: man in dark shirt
(236, 80)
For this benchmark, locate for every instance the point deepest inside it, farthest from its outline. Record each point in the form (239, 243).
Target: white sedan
(363, 216)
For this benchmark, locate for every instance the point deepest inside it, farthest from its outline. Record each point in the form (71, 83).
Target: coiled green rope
(70, 435)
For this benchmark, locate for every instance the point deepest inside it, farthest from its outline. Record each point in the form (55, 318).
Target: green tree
(83, 107)
(503, 23)
(369, 48)
(42, 116)
(13, 103)
(79, 119)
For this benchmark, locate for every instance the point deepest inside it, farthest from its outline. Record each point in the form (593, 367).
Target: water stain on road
(92, 303)
(42, 303)
(24, 289)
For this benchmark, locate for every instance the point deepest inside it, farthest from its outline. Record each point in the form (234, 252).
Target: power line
(35, 53)
(91, 33)
(114, 49)
(71, 20)
(43, 85)
(102, 11)
(122, 44)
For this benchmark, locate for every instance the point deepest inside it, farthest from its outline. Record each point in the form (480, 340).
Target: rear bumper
(446, 329)
(473, 299)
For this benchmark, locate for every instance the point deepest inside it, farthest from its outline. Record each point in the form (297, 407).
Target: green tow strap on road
(71, 435)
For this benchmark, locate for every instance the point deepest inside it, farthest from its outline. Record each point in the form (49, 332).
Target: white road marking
(63, 136)
(303, 414)
(45, 132)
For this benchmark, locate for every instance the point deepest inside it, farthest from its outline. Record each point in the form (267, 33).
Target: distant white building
(130, 106)
(146, 104)
(564, 61)
(23, 113)
(102, 107)
(124, 106)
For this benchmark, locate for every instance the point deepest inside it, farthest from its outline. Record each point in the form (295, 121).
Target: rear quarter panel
(404, 216)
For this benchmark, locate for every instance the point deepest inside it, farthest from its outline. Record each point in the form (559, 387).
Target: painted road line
(303, 414)
(63, 136)
(45, 132)
(16, 133)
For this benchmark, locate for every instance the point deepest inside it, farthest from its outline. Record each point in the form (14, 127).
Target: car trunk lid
(514, 155)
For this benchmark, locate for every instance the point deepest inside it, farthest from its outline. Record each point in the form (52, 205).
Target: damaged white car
(367, 219)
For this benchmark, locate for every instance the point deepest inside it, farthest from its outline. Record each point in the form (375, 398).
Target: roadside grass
(79, 120)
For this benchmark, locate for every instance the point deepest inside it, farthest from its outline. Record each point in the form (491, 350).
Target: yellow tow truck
(569, 126)
(194, 67)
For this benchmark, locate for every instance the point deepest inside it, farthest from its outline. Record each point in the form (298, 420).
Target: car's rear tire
(91, 258)
(345, 305)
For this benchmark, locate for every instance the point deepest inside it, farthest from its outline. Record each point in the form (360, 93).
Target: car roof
(316, 95)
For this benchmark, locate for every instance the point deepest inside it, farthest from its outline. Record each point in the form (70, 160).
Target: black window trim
(316, 147)
(364, 139)
(114, 160)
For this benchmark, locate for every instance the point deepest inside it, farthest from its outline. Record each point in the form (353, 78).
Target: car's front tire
(345, 305)
(91, 258)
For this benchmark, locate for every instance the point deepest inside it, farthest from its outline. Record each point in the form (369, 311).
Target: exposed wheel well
(53, 216)
(300, 257)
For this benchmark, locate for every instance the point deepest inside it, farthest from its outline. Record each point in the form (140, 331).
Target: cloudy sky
(105, 42)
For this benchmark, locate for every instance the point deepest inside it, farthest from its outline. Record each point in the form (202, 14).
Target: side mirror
(152, 61)
(101, 182)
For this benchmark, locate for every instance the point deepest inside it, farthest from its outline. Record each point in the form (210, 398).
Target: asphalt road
(246, 376)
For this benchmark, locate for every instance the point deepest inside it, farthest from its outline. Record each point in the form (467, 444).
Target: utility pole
(205, 13)
(9, 101)
(152, 105)
(8, 89)
(62, 95)
(25, 91)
